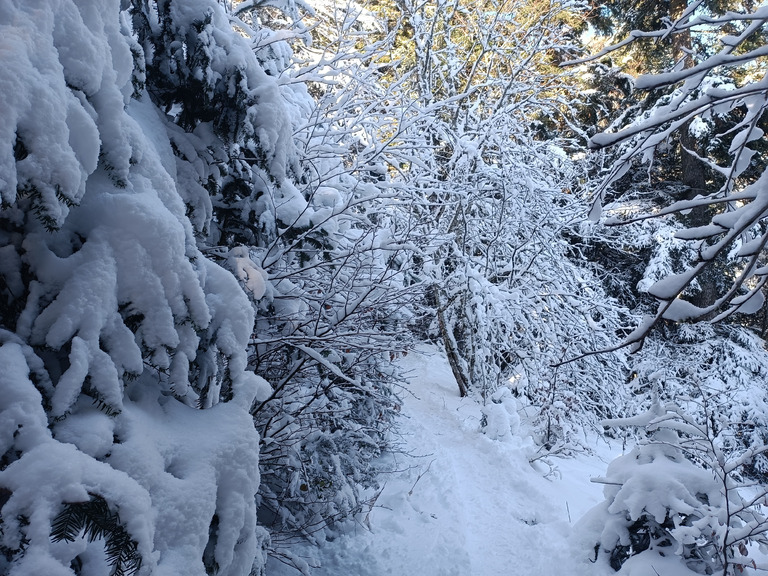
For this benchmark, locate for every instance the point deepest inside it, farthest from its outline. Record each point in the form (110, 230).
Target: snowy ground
(462, 503)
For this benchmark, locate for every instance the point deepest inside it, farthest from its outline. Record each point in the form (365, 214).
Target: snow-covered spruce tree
(116, 329)
(727, 357)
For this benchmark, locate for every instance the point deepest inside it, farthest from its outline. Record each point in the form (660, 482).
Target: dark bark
(454, 359)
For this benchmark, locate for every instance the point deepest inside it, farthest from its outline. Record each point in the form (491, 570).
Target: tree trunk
(692, 170)
(454, 360)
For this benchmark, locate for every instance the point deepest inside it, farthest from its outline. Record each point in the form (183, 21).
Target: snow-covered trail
(462, 503)
(494, 512)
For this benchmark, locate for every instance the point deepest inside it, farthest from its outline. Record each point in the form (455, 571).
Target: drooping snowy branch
(724, 95)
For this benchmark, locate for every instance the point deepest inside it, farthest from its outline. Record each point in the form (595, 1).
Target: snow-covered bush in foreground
(115, 327)
(680, 494)
(659, 502)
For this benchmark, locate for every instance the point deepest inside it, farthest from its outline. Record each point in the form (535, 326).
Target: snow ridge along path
(462, 504)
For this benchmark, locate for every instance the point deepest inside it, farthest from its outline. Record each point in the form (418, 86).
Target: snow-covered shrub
(659, 502)
(726, 365)
(500, 419)
(680, 493)
(325, 332)
(274, 199)
(512, 299)
(490, 206)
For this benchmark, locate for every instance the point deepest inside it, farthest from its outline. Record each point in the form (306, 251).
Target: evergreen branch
(95, 521)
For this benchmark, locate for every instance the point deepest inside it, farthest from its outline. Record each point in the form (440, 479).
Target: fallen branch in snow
(410, 492)
(371, 503)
